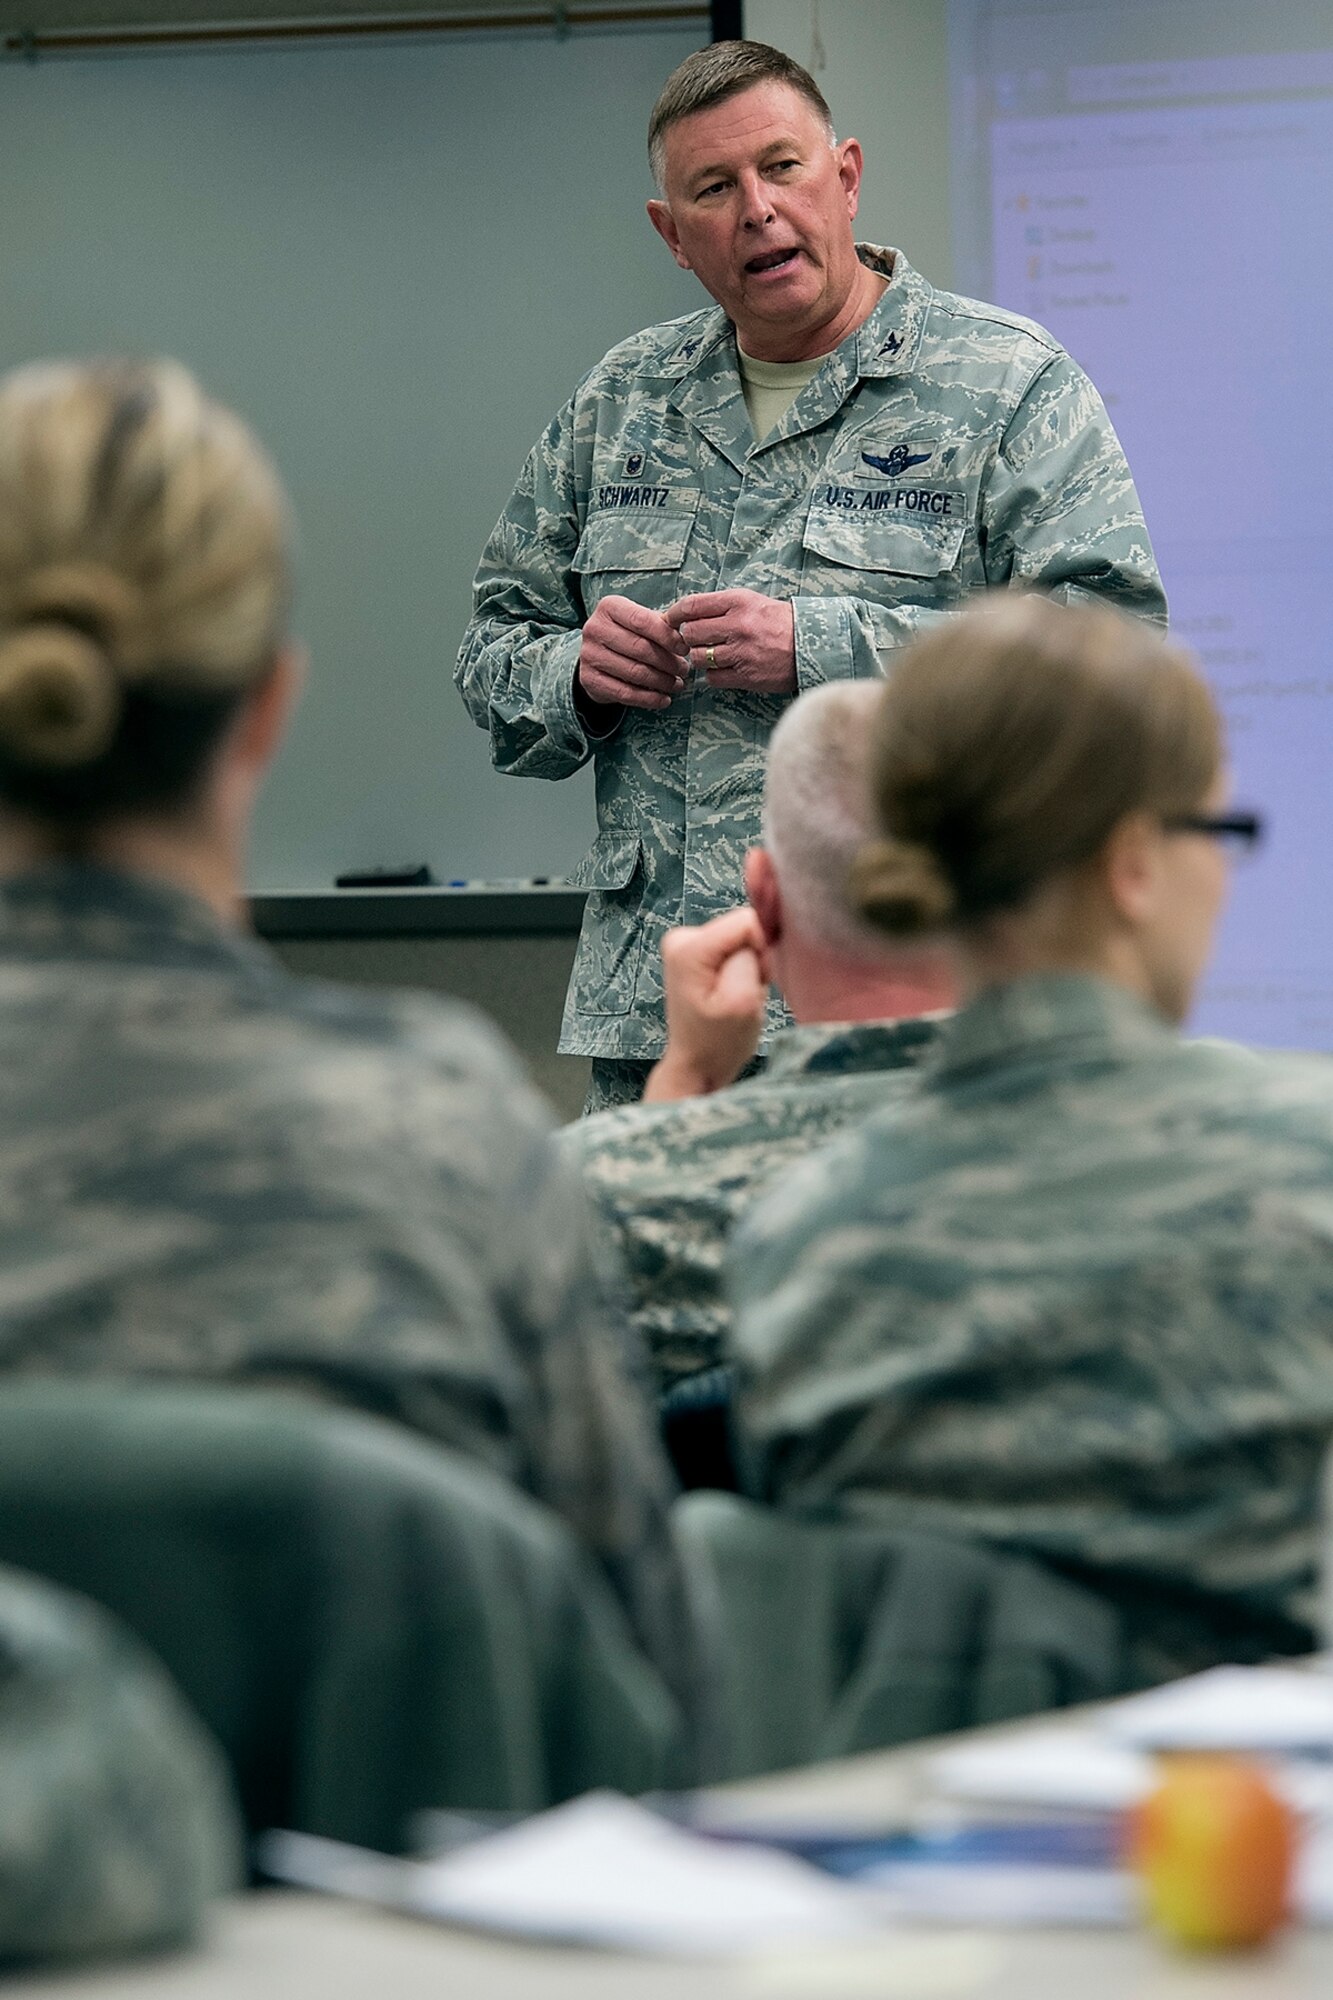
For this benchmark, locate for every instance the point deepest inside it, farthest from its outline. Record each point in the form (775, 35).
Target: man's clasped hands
(632, 657)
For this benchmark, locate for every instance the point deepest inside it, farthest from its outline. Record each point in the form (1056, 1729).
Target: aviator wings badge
(898, 461)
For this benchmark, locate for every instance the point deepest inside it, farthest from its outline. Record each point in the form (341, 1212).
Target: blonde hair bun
(900, 887)
(91, 597)
(59, 698)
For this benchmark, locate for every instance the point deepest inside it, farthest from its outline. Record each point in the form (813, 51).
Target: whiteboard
(396, 261)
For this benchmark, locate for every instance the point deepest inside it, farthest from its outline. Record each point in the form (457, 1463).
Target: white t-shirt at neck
(771, 387)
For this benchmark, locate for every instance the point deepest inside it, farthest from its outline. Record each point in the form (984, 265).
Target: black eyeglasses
(1239, 832)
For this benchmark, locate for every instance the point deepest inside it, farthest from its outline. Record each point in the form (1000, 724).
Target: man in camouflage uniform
(671, 1177)
(211, 1170)
(1075, 1298)
(738, 505)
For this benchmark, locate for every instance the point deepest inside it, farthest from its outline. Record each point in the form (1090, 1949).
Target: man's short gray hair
(717, 72)
(818, 811)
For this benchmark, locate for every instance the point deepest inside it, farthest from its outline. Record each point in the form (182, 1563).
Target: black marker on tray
(412, 875)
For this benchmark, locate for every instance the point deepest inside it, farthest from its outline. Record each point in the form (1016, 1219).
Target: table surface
(278, 1945)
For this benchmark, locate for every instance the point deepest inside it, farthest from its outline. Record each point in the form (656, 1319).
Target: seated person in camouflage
(671, 1176)
(209, 1169)
(1074, 1298)
(117, 1822)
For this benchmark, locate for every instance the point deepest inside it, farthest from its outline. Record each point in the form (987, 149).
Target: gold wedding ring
(710, 658)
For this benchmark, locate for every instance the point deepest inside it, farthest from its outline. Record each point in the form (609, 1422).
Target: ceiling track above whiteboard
(90, 29)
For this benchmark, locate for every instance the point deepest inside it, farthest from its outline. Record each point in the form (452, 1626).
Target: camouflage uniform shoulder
(625, 1153)
(1265, 1086)
(835, 1173)
(1008, 330)
(997, 346)
(117, 1821)
(820, 1077)
(1189, 1088)
(450, 1037)
(626, 1148)
(961, 332)
(633, 1126)
(1239, 1080)
(669, 348)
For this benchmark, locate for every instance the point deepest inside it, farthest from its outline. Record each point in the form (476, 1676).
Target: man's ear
(761, 887)
(1130, 867)
(664, 222)
(266, 710)
(850, 166)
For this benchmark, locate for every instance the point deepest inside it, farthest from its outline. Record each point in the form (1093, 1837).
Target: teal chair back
(833, 1638)
(367, 1623)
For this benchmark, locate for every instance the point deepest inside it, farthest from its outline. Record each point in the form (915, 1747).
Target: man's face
(759, 206)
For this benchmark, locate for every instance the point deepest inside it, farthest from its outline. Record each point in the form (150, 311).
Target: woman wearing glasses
(1077, 1298)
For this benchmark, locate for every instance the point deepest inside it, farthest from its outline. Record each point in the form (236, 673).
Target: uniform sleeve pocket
(610, 863)
(606, 965)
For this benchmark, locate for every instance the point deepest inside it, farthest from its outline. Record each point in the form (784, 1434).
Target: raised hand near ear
(716, 977)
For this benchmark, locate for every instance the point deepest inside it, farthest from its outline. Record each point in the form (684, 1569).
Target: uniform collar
(81, 909)
(705, 371)
(884, 344)
(1061, 1019)
(852, 1048)
(696, 351)
(707, 391)
(887, 342)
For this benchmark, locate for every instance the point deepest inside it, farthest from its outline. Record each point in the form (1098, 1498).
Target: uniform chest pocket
(906, 531)
(636, 550)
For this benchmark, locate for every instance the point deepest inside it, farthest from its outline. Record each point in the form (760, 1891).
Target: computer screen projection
(1154, 183)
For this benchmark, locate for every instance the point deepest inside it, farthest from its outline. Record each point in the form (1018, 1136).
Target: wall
(52, 16)
(884, 71)
(519, 981)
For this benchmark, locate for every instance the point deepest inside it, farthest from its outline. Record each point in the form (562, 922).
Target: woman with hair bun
(1076, 1298)
(209, 1169)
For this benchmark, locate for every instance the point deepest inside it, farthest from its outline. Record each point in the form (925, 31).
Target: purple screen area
(1183, 252)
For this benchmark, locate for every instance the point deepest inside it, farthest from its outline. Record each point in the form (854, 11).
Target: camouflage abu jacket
(1075, 1297)
(212, 1170)
(670, 1181)
(117, 1821)
(943, 447)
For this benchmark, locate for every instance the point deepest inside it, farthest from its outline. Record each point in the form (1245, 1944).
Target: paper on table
(1314, 1876)
(1066, 1769)
(1021, 1895)
(603, 1871)
(1075, 1769)
(1271, 1710)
